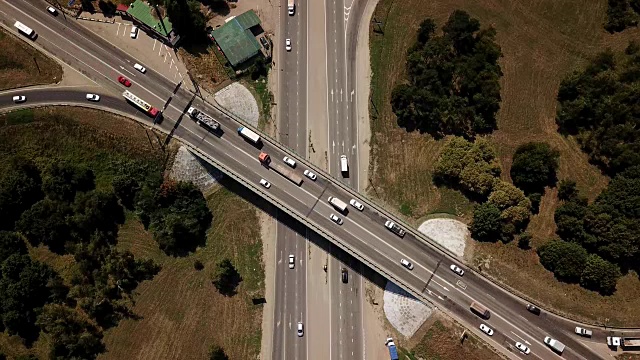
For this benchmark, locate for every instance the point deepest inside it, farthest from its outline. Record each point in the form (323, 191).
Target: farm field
(541, 42)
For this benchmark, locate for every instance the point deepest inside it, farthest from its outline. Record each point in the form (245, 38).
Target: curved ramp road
(363, 234)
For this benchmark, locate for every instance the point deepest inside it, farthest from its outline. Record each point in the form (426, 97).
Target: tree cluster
(609, 228)
(453, 80)
(60, 208)
(473, 168)
(600, 106)
(534, 167)
(622, 14)
(186, 18)
(177, 215)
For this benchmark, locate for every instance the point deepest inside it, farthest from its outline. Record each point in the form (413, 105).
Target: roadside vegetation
(21, 65)
(440, 339)
(544, 48)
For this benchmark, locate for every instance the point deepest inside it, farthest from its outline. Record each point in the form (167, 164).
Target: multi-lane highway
(362, 234)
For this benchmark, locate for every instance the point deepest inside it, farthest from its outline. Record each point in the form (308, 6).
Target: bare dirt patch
(21, 65)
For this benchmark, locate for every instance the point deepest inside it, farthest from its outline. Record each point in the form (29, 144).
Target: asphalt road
(362, 233)
(291, 237)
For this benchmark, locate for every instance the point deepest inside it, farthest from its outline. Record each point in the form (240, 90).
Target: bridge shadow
(348, 261)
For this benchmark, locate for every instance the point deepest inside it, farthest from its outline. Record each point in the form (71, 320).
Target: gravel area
(450, 233)
(188, 167)
(404, 312)
(238, 99)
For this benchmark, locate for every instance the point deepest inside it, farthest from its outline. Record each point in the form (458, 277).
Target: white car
(335, 219)
(300, 329)
(406, 264)
(456, 270)
(19, 98)
(287, 44)
(93, 97)
(487, 330)
(134, 32)
(140, 68)
(289, 161)
(524, 349)
(310, 175)
(292, 261)
(356, 204)
(52, 10)
(265, 183)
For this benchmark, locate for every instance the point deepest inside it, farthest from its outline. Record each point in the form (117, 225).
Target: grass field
(440, 339)
(21, 65)
(182, 314)
(541, 41)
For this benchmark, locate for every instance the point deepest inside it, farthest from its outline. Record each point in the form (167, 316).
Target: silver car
(335, 219)
(289, 161)
(310, 175)
(406, 264)
(356, 204)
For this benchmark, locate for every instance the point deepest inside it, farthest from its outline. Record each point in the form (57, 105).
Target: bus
(480, 309)
(25, 30)
(143, 105)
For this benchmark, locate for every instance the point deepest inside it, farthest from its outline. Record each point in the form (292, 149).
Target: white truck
(292, 7)
(554, 344)
(614, 341)
(337, 203)
(583, 332)
(344, 164)
(203, 119)
(249, 135)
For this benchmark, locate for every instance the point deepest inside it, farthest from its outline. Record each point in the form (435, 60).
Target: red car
(124, 81)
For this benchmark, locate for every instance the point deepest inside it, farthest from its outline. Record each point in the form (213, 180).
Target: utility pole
(36, 61)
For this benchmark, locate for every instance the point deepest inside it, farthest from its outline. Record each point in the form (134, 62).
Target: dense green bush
(453, 85)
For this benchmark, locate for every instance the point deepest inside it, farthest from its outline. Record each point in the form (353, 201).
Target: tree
(453, 85)
(621, 15)
(46, 223)
(534, 167)
(226, 278)
(62, 180)
(600, 275)
(178, 216)
(186, 18)
(567, 190)
(426, 30)
(487, 224)
(72, 337)
(217, 353)
(126, 188)
(524, 241)
(198, 265)
(566, 260)
(11, 243)
(26, 286)
(97, 211)
(20, 187)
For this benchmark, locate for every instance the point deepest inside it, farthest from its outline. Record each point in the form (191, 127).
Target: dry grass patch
(21, 65)
(542, 42)
(205, 65)
(181, 313)
(442, 341)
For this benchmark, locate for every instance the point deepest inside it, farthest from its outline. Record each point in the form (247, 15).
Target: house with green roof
(237, 37)
(149, 19)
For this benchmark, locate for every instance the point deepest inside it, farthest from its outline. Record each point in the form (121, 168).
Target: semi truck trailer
(203, 119)
(292, 7)
(288, 173)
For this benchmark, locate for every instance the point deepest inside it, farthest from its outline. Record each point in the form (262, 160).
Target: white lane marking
(519, 337)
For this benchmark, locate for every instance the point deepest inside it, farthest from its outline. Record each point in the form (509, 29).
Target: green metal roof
(142, 12)
(236, 39)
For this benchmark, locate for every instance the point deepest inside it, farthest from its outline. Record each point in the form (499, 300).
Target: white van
(344, 165)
